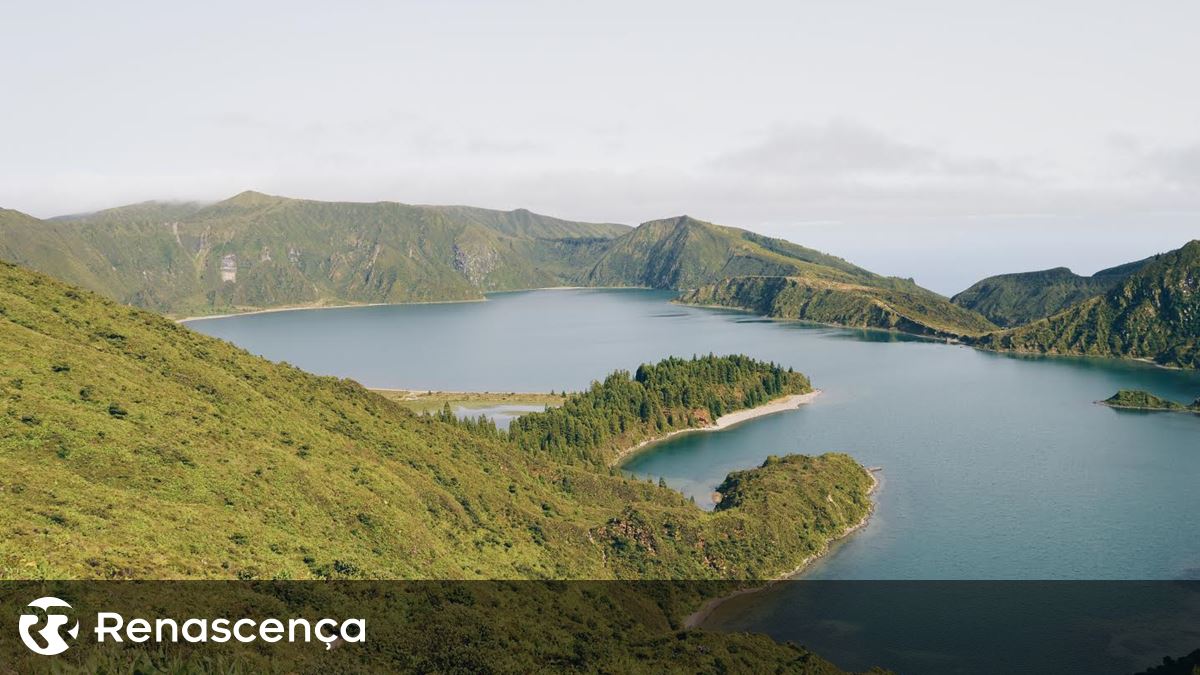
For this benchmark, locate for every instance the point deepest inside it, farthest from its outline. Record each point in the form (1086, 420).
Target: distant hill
(725, 266)
(1016, 299)
(888, 304)
(1152, 314)
(683, 252)
(256, 251)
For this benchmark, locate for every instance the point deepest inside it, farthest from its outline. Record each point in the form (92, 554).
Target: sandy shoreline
(695, 619)
(725, 421)
(297, 308)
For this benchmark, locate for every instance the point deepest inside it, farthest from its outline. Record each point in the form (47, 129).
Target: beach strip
(725, 421)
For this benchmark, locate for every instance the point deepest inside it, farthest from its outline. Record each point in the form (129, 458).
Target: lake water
(502, 415)
(994, 466)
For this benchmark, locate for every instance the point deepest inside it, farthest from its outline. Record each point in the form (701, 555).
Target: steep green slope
(684, 252)
(131, 447)
(1153, 314)
(728, 267)
(256, 250)
(1016, 299)
(899, 305)
(48, 247)
(134, 448)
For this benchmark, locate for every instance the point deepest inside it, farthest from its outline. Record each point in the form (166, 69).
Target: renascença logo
(50, 633)
(111, 626)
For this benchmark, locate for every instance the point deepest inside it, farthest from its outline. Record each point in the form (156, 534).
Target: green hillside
(893, 305)
(142, 213)
(255, 251)
(1016, 299)
(133, 447)
(684, 252)
(1153, 314)
(728, 267)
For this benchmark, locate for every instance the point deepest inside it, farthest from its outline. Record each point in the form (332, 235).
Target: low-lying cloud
(844, 148)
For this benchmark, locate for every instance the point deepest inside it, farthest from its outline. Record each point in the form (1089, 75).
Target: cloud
(838, 170)
(1173, 168)
(847, 150)
(1179, 166)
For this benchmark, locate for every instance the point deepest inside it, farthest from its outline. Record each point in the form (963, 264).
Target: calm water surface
(994, 467)
(502, 415)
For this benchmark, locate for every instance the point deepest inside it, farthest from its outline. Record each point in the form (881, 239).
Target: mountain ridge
(844, 303)
(1153, 314)
(684, 252)
(257, 251)
(1020, 298)
(725, 266)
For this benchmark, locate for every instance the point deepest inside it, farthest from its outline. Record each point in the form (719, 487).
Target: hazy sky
(941, 140)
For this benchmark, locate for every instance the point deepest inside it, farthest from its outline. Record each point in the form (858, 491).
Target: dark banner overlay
(652, 626)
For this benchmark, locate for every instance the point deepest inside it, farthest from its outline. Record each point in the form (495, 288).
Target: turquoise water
(994, 466)
(502, 415)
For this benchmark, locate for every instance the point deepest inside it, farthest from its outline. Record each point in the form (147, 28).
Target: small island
(1134, 399)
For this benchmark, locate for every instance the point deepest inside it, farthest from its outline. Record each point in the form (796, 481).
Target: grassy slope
(1016, 299)
(133, 447)
(684, 252)
(812, 297)
(1153, 314)
(730, 267)
(167, 257)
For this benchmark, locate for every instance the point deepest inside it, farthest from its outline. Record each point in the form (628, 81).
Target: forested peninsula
(623, 411)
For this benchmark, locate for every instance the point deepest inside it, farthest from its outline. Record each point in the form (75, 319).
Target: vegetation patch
(1154, 314)
(1142, 400)
(878, 302)
(1010, 300)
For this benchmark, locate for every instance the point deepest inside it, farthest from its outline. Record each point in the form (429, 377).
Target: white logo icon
(51, 635)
